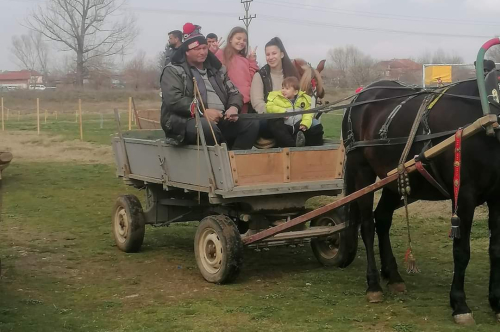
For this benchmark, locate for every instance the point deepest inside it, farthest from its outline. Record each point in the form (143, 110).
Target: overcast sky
(384, 29)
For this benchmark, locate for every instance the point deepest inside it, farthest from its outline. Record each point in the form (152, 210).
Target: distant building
(404, 70)
(20, 79)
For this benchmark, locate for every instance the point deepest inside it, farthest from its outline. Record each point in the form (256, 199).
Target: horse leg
(494, 250)
(359, 175)
(383, 221)
(461, 255)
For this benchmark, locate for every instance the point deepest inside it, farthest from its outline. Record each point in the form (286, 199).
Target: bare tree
(352, 66)
(440, 57)
(140, 73)
(24, 52)
(89, 28)
(31, 52)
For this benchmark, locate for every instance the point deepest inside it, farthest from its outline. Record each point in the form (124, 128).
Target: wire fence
(73, 122)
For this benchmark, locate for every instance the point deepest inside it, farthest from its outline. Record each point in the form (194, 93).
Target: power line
(351, 27)
(283, 4)
(276, 19)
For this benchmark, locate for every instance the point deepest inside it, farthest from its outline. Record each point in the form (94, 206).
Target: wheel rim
(210, 249)
(328, 246)
(121, 224)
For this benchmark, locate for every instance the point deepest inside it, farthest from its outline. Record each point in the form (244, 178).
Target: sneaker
(300, 140)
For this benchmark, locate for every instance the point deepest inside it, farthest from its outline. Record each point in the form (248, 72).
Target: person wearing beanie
(220, 97)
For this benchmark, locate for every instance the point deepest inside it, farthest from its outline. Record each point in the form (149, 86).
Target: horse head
(310, 78)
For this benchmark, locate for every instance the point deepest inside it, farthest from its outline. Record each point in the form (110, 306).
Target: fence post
(45, 116)
(38, 115)
(80, 111)
(3, 126)
(129, 113)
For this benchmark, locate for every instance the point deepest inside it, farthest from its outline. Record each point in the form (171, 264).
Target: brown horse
(480, 181)
(310, 78)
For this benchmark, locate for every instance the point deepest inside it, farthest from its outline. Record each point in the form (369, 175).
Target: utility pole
(247, 19)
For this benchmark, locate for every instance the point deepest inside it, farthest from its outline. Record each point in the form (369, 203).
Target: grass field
(62, 272)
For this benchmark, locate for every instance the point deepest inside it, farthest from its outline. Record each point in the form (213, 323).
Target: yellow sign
(437, 74)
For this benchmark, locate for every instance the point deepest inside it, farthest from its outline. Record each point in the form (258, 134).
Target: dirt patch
(28, 146)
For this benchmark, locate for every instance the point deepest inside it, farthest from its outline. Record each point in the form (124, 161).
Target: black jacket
(178, 92)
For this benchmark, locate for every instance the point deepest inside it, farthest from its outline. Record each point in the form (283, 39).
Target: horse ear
(321, 66)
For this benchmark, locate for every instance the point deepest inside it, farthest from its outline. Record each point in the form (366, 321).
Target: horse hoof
(397, 288)
(465, 319)
(374, 297)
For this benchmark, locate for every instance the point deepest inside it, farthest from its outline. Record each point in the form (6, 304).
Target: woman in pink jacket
(240, 65)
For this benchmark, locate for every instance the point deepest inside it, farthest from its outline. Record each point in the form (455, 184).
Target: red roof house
(21, 79)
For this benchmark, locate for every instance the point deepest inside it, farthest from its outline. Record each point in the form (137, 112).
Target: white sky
(308, 28)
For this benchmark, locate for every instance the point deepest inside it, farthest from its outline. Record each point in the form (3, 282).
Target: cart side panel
(315, 165)
(143, 158)
(185, 164)
(258, 168)
(119, 157)
(282, 166)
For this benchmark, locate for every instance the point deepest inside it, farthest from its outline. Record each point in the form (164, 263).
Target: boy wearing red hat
(219, 95)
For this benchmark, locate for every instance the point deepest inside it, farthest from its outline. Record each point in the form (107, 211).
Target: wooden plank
(286, 165)
(234, 167)
(472, 129)
(259, 168)
(314, 165)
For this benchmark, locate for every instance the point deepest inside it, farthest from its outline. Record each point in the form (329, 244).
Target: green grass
(62, 272)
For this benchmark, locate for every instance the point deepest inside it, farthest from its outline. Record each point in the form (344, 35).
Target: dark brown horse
(480, 182)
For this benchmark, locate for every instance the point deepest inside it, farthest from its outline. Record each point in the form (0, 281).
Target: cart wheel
(338, 249)
(128, 223)
(218, 249)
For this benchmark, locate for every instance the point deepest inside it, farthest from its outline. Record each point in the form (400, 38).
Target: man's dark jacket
(178, 90)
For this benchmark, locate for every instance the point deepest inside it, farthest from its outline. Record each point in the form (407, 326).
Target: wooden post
(38, 115)
(129, 113)
(45, 117)
(3, 126)
(80, 111)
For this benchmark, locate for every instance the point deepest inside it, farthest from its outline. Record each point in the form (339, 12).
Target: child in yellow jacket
(293, 130)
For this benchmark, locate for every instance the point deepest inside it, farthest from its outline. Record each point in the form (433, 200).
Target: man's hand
(303, 128)
(213, 115)
(232, 110)
(215, 47)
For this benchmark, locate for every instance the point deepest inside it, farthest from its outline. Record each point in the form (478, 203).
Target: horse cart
(255, 198)
(234, 193)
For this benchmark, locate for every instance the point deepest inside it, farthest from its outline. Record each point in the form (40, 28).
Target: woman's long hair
(229, 51)
(287, 65)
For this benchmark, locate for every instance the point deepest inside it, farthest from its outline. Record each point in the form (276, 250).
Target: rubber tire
(348, 241)
(137, 225)
(231, 245)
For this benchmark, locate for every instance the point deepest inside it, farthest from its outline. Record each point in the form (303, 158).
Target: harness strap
(385, 127)
(420, 167)
(394, 141)
(455, 220)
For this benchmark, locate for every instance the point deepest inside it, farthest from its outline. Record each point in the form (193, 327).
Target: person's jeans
(239, 135)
